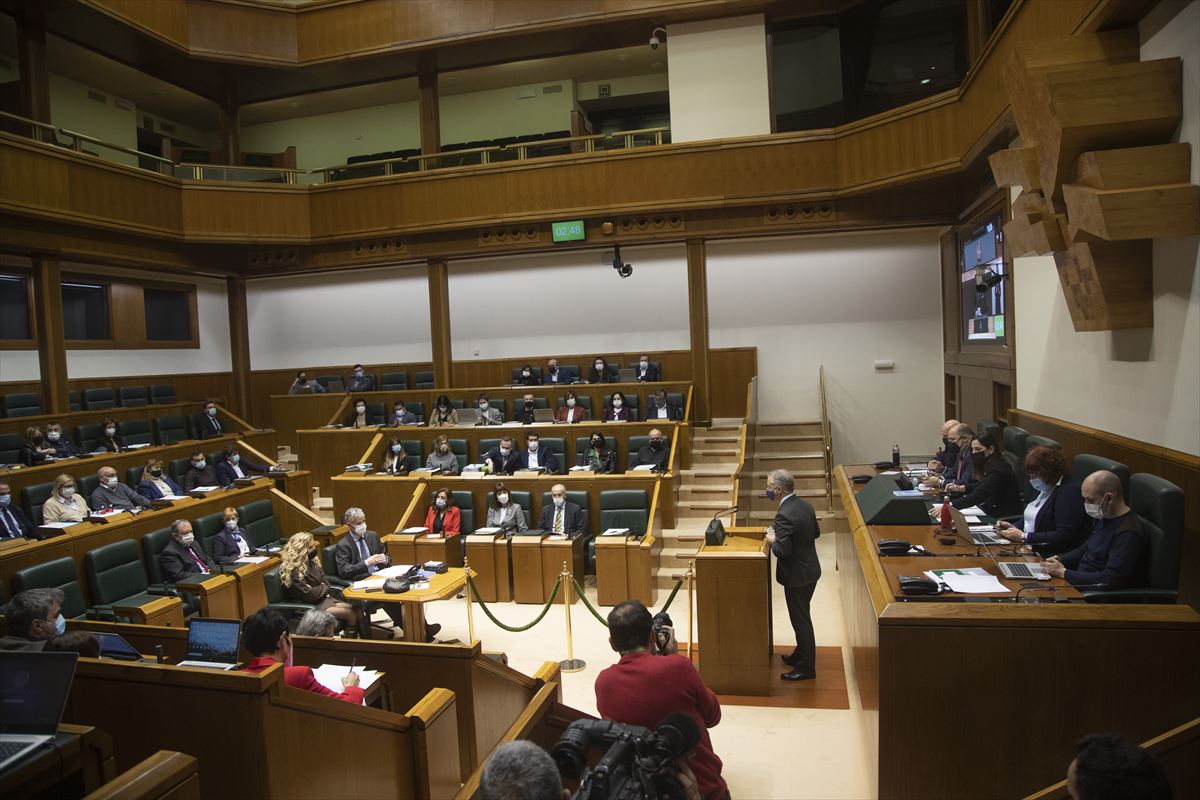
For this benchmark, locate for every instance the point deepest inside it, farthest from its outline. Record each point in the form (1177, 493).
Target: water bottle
(895, 455)
(946, 522)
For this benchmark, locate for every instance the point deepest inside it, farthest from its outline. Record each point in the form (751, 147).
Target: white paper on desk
(890, 472)
(394, 571)
(581, 469)
(414, 530)
(57, 524)
(253, 559)
(908, 493)
(487, 530)
(136, 446)
(981, 528)
(644, 468)
(206, 488)
(174, 497)
(330, 676)
(974, 584)
(615, 532)
(973, 511)
(972, 519)
(917, 467)
(369, 583)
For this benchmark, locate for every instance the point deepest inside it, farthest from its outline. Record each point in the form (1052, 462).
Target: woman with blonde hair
(303, 580)
(64, 505)
(441, 458)
(156, 483)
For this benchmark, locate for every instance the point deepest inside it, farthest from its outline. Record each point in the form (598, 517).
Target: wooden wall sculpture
(1099, 179)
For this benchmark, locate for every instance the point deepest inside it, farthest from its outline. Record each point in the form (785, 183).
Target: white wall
(476, 116)
(718, 79)
(19, 365)
(510, 306)
(368, 315)
(619, 87)
(71, 108)
(842, 301)
(1143, 384)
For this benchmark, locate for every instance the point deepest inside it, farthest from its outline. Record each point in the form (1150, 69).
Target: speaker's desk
(1009, 677)
(413, 601)
(733, 605)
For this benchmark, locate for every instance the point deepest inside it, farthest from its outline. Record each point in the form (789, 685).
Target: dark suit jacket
(226, 476)
(523, 416)
(997, 493)
(19, 519)
(648, 455)
(1061, 523)
(651, 374)
(581, 414)
(795, 547)
(176, 563)
(558, 377)
(364, 384)
(210, 427)
(350, 563)
(225, 549)
(311, 587)
(113, 445)
(573, 523)
(652, 412)
(609, 376)
(201, 477)
(545, 458)
(30, 455)
(532, 380)
(502, 465)
(624, 413)
(148, 489)
(63, 448)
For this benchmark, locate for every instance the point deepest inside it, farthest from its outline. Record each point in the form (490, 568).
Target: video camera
(662, 636)
(638, 764)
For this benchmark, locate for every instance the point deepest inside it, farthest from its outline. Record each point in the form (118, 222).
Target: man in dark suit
(13, 522)
(360, 555)
(793, 540)
(503, 459)
(401, 415)
(524, 412)
(560, 516)
(537, 455)
(662, 408)
(181, 557)
(201, 473)
(646, 372)
(360, 381)
(210, 426)
(232, 466)
(655, 453)
(554, 374)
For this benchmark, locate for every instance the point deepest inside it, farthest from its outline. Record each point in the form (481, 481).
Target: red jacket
(642, 689)
(303, 678)
(451, 522)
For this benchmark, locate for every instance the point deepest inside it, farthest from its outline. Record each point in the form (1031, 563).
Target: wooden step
(704, 492)
(789, 461)
(699, 481)
(714, 457)
(788, 444)
(788, 429)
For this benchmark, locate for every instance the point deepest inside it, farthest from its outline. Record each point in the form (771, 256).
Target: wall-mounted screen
(570, 231)
(984, 282)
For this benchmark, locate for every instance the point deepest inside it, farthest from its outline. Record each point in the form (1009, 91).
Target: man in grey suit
(793, 540)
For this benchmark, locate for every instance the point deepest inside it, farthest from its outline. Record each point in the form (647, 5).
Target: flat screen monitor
(984, 283)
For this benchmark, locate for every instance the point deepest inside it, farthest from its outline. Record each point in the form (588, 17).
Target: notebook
(212, 643)
(33, 693)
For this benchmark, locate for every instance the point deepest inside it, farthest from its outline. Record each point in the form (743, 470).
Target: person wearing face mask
(654, 453)
(156, 483)
(996, 492)
(357, 418)
(35, 449)
(62, 445)
(504, 513)
(598, 455)
(570, 410)
(487, 414)
(200, 473)
(442, 459)
(555, 374)
(617, 410)
(302, 385)
(444, 413)
(401, 415)
(32, 618)
(394, 459)
(210, 423)
(662, 408)
(182, 557)
(538, 456)
(1054, 521)
(304, 581)
(524, 414)
(111, 493)
(13, 522)
(527, 378)
(947, 453)
(793, 539)
(110, 440)
(265, 637)
(503, 459)
(360, 555)
(443, 516)
(1116, 552)
(230, 545)
(959, 474)
(601, 372)
(64, 504)
(560, 516)
(645, 372)
(360, 381)
(231, 466)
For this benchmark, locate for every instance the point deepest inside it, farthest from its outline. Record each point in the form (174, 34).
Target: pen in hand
(353, 664)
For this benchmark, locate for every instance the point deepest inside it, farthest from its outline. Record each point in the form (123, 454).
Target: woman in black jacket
(1054, 521)
(996, 492)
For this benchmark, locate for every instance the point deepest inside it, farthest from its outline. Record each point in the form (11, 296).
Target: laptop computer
(212, 643)
(543, 415)
(33, 692)
(627, 375)
(113, 645)
(468, 416)
(1022, 570)
(978, 534)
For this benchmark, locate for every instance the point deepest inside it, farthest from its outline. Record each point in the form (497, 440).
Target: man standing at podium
(793, 540)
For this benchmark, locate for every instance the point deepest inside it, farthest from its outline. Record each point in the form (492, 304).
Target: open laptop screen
(33, 690)
(213, 640)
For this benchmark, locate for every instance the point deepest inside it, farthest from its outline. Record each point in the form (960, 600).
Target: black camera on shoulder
(638, 764)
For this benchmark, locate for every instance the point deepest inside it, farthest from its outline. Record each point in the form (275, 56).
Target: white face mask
(54, 436)
(360, 528)
(483, 406)
(533, 447)
(235, 458)
(599, 366)
(1094, 510)
(505, 451)
(212, 412)
(110, 431)
(187, 539)
(231, 524)
(643, 364)
(618, 402)
(68, 492)
(360, 409)
(201, 464)
(396, 448)
(526, 374)
(111, 482)
(502, 499)
(559, 502)
(570, 402)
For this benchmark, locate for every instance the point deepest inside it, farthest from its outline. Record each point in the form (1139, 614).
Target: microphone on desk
(729, 510)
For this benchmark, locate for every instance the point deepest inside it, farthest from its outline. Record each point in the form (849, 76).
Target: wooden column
(51, 340)
(439, 321)
(239, 346)
(698, 319)
(31, 55)
(231, 143)
(427, 104)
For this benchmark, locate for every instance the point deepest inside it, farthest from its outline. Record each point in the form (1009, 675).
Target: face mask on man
(231, 524)
(559, 502)
(60, 625)
(358, 373)
(1095, 510)
(533, 446)
(111, 483)
(656, 444)
(212, 412)
(553, 368)
(570, 402)
(5, 499)
(54, 436)
(110, 430)
(528, 405)
(661, 402)
(360, 528)
(770, 493)
(235, 458)
(643, 364)
(201, 464)
(526, 374)
(187, 539)
(505, 451)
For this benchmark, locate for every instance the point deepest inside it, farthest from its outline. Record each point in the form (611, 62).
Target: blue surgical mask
(60, 625)
(769, 494)
(1039, 485)
(235, 458)
(5, 499)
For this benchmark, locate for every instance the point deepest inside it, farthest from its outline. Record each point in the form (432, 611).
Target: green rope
(519, 629)
(586, 602)
(671, 597)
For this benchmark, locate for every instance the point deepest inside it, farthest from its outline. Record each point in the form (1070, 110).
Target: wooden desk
(164, 611)
(413, 601)
(418, 548)
(251, 590)
(218, 595)
(1095, 667)
(489, 557)
(733, 605)
(73, 419)
(326, 452)
(79, 761)
(1052, 590)
(537, 562)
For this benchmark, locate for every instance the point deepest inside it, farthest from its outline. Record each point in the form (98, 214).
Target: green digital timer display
(571, 231)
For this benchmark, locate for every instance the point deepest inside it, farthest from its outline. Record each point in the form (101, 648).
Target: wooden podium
(733, 599)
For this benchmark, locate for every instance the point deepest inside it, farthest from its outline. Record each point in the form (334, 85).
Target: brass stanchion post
(470, 611)
(691, 574)
(572, 664)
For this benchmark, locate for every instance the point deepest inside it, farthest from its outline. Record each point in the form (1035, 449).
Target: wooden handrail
(826, 443)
